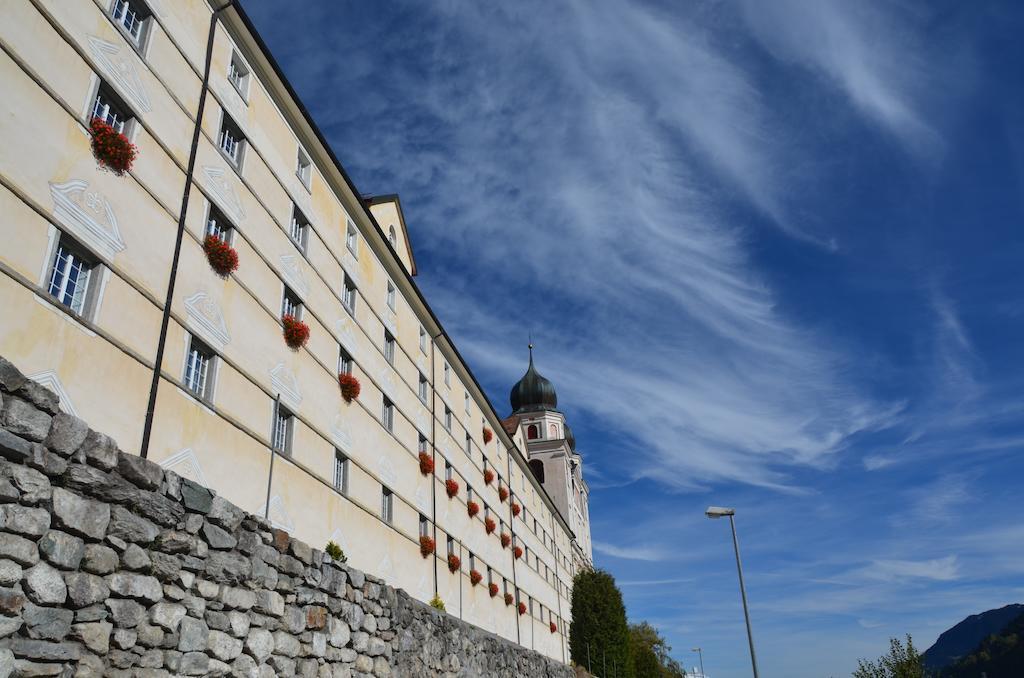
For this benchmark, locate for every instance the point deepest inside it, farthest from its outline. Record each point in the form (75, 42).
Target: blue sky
(770, 253)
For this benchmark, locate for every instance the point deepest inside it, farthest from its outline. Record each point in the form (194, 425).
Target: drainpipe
(147, 428)
(433, 448)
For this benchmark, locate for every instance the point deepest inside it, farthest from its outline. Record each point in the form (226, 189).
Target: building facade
(109, 298)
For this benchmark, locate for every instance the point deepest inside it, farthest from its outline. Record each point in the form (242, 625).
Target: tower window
(392, 238)
(532, 432)
(423, 340)
(447, 374)
(424, 526)
(537, 466)
(447, 419)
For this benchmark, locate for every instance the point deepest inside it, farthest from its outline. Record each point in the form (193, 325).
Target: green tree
(902, 661)
(599, 620)
(650, 653)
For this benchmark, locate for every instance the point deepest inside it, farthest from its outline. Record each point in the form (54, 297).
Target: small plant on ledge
(111, 148)
(502, 493)
(451, 486)
(522, 609)
(509, 599)
(505, 540)
(488, 435)
(426, 464)
(488, 476)
(437, 603)
(472, 508)
(554, 627)
(453, 563)
(221, 256)
(335, 552)
(349, 386)
(489, 525)
(475, 577)
(516, 508)
(492, 588)
(296, 332)
(427, 546)
(517, 551)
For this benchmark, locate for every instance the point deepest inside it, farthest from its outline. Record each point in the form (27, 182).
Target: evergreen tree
(900, 662)
(599, 619)
(650, 653)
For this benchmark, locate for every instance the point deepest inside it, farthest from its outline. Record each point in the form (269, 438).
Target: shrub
(454, 563)
(489, 525)
(488, 476)
(335, 552)
(472, 508)
(475, 577)
(221, 256)
(350, 386)
(427, 546)
(111, 149)
(451, 486)
(296, 332)
(437, 603)
(426, 464)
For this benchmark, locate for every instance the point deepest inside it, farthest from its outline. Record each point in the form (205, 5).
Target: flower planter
(472, 508)
(111, 149)
(516, 509)
(489, 525)
(475, 577)
(426, 464)
(221, 256)
(517, 552)
(453, 563)
(505, 540)
(349, 387)
(488, 476)
(509, 599)
(522, 609)
(296, 332)
(427, 546)
(451, 486)
(553, 627)
(492, 589)
(502, 493)
(488, 435)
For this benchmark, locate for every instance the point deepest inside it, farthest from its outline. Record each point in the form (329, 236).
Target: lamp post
(700, 655)
(720, 512)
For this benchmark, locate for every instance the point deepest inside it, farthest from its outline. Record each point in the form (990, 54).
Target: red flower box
(553, 627)
(488, 435)
(505, 540)
(488, 476)
(296, 332)
(451, 486)
(222, 257)
(111, 149)
(349, 387)
(517, 552)
(509, 599)
(522, 609)
(516, 508)
(489, 525)
(426, 464)
(492, 589)
(475, 577)
(472, 508)
(453, 563)
(427, 546)
(502, 493)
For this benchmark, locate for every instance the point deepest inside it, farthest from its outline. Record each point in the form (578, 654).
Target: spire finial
(530, 346)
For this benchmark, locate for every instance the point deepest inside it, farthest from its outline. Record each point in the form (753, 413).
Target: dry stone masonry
(111, 566)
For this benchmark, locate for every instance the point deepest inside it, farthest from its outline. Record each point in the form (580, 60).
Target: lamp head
(719, 512)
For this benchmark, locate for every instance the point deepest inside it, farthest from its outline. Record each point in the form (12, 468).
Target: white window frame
(304, 168)
(387, 505)
(423, 388)
(389, 347)
(133, 19)
(391, 294)
(298, 228)
(469, 446)
(283, 430)
(200, 368)
(76, 292)
(239, 75)
(349, 294)
(341, 471)
(352, 239)
(291, 304)
(111, 109)
(447, 374)
(218, 225)
(231, 148)
(424, 526)
(421, 446)
(345, 361)
(387, 415)
(447, 419)
(423, 340)
(449, 471)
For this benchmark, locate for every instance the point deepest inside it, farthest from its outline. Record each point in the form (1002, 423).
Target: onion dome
(570, 439)
(533, 392)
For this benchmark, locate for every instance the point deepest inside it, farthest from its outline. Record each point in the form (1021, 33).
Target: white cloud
(648, 553)
(937, 569)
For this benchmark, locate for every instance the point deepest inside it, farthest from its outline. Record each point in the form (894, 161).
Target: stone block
(225, 514)
(98, 450)
(32, 522)
(223, 646)
(141, 472)
(44, 585)
(85, 589)
(14, 448)
(130, 527)
(192, 635)
(43, 650)
(94, 635)
(196, 498)
(135, 559)
(79, 515)
(24, 419)
(33, 487)
(126, 613)
(67, 433)
(259, 644)
(62, 550)
(217, 537)
(99, 559)
(136, 586)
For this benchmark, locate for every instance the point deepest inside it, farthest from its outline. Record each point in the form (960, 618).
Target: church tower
(551, 452)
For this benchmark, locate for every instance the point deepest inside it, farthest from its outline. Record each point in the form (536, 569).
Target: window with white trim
(392, 237)
(447, 374)
(303, 168)
(424, 526)
(472, 561)
(469, 446)
(109, 108)
(345, 362)
(199, 362)
(447, 471)
(291, 304)
(132, 17)
(466, 400)
(451, 545)
(238, 74)
(388, 414)
(231, 141)
(298, 228)
(387, 505)
(423, 387)
(447, 419)
(71, 276)
(341, 463)
(352, 239)
(423, 340)
(218, 225)
(284, 425)
(389, 347)
(391, 295)
(421, 447)
(348, 295)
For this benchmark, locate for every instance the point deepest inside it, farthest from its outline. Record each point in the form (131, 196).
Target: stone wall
(111, 566)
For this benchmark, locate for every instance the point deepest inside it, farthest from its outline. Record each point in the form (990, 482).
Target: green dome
(533, 392)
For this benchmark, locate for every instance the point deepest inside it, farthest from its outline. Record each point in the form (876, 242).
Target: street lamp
(720, 512)
(700, 655)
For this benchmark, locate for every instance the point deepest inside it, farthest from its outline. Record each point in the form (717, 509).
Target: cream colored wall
(387, 216)
(103, 363)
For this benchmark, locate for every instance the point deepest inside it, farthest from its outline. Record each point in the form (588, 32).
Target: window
(291, 304)
(340, 472)
(387, 505)
(447, 374)
(348, 295)
(469, 493)
(389, 347)
(447, 419)
(231, 141)
(466, 401)
(447, 471)
(391, 295)
(421, 446)
(532, 432)
(472, 561)
(284, 423)
(490, 575)
(423, 341)
(132, 16)
(109, 108)
(199, 369)
(298, 228)
(451, 545)
(303, 168)
(392, 238)
(424, 526)
(345, 362)
(469, 446)
(423, 387)
(388, 415)
(217, 225)
(352, 239)
(70, 276)
(238, 74)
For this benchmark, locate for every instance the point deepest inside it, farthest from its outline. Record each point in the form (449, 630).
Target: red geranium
(554, 627)
(222, 257)
(451, 486)
(492, 589)
(505, 540)
(472, 508)
(522, 609)
(516, 508)
(475, 577)
(488, 476)
(427, 546)
(489, 525)
(517, 551)
(502, 493)
(488, 435)
(111, 149)
(349, 386)
(509, 599)
(296, 332)
(453, 562)
(426, 464)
